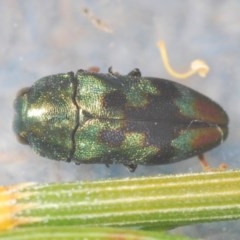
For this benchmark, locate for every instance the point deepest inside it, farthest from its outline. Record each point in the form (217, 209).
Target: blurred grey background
(39, 38)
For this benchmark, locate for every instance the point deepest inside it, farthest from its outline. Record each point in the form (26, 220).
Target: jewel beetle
(91, 117)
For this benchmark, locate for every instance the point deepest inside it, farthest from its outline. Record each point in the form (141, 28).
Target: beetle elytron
(109, 118)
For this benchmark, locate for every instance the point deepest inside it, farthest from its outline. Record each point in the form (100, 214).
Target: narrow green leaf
(76, 232)
(160, 202)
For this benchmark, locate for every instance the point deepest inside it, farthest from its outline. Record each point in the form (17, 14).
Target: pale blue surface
(39, 38)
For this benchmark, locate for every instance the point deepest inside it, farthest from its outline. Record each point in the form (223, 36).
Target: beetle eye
(22, 139)
(23, 91)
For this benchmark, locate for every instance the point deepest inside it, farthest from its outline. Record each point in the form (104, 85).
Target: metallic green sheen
(46, 115)
(109, 118)
(137, 92)
(90, 148)
(94, 89)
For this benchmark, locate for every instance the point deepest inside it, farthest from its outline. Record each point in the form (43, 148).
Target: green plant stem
(76, 232)
(162, 202)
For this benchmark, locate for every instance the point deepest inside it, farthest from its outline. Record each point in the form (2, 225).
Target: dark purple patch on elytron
(160, 107)
(115, 99)
(112, 138)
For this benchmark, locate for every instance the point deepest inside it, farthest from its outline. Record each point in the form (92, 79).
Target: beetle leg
(204, 164)
(131, 166)
(135, 73)
(110, 71)
(207, 168)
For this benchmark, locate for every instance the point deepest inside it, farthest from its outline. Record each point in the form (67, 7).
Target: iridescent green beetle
(109, 118)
